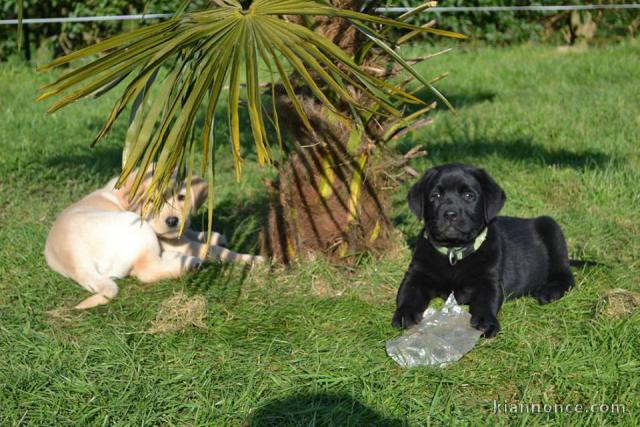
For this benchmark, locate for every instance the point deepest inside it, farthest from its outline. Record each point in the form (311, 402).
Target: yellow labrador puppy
(103, 237)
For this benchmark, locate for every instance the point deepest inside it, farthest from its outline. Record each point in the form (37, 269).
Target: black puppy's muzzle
(450, 215)
(450, 225)
(172, 221)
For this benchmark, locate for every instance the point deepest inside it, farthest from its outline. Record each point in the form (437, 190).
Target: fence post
(26, 45)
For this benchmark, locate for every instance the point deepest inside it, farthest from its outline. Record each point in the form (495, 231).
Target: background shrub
(493, 28)
(63, 38)
(522, 26)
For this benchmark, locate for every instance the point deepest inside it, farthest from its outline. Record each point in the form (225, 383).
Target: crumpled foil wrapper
(441, 337)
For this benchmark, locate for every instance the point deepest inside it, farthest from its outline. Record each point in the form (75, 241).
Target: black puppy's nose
(450, 215)
(172, 221)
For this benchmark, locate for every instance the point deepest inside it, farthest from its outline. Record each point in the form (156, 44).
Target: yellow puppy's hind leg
(93, 301)
(104, 289)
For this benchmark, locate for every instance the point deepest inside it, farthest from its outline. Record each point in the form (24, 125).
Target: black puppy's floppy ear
(494, 196)
(417, 193)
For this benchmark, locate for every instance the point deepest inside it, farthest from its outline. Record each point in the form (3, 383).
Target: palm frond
(205, 49)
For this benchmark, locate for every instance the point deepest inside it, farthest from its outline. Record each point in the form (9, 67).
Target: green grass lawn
(559, 132)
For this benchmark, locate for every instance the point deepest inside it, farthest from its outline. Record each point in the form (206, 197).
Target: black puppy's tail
(579, 263)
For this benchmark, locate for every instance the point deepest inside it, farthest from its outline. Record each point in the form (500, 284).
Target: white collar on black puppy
(458, 253)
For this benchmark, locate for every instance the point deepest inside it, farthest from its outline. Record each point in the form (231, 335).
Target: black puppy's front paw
(489, 325)
(406, 318)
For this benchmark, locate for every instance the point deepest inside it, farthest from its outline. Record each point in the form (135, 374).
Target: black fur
(519, 256)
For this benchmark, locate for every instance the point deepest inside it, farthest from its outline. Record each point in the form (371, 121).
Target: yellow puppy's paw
(217, 239)
(93, 301)
(194, 264)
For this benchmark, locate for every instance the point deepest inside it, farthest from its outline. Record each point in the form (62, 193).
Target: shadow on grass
(240, 220)
(467, 142)
(462, 100)
(319, 409)
(458, 100)
(103, 161)
(221, 282)
(517, 149)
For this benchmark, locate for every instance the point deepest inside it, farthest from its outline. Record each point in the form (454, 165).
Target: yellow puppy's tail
(224, 254)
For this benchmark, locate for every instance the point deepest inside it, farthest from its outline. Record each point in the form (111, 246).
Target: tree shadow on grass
(102, 162)
(458, 100)
(222, 282)
(466, 99)
(515, 149)
(469, 141)
(319, 409)
(239, 219)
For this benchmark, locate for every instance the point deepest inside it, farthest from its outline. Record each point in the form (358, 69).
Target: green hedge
(521, 26)
(494, 28)
(65, 37)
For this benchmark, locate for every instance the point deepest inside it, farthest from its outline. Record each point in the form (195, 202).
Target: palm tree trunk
(327, 196)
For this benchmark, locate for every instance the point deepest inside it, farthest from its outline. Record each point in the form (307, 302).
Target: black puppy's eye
(469, 196)
(435, 195)
(181, 197)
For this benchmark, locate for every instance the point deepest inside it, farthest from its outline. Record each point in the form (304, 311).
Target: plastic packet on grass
(441, 337)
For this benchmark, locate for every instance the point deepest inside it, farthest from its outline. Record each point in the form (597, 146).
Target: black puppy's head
(456, 202)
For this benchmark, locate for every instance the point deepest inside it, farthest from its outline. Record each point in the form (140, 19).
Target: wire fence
(532, 8)
(389, 10)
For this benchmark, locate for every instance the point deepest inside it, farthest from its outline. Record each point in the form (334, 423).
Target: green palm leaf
(206, 50)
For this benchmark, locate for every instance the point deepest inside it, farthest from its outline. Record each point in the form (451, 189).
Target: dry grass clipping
(65, 317)
(178, 313)
(619, 303)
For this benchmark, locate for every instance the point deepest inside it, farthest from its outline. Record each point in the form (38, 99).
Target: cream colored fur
(103, 237)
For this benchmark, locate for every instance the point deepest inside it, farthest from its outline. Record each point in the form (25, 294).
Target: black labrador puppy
(483, 258)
